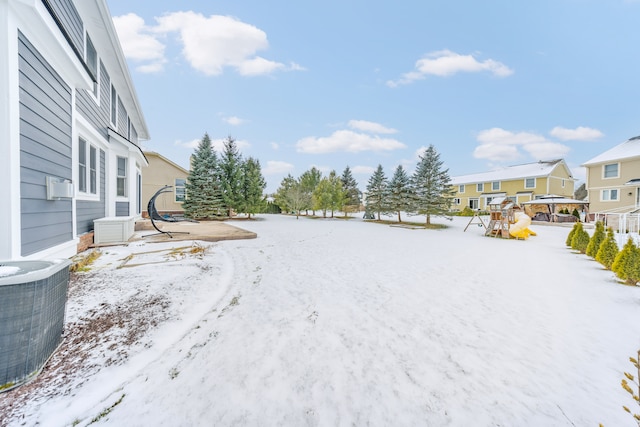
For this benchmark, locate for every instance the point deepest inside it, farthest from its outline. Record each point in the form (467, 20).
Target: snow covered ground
(334, 322)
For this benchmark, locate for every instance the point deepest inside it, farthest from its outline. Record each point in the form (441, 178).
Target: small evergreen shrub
(596, 240)
(580, 239)
(608, 250)
(575, 213)
(571, 233)
(626, 264)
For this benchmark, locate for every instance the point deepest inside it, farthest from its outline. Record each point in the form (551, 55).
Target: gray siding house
(70, 122)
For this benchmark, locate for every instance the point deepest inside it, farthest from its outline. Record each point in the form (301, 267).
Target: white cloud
(139, 44)
(370, 127)
(580, 133)
(444, 63)
(218, 144)
(275, 167)
(349, 141)
(274, 145)
(500, 145)
(193, 144)
(233, 120)
(363, 170)
(209, 44)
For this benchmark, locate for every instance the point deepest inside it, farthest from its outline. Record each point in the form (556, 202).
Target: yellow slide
(520, 229)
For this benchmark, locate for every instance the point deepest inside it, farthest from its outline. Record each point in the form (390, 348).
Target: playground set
(505, 220)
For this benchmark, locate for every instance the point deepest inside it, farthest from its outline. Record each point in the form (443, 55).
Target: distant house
(160, 172)
(70, 122)
(613, 179)
(519, 183)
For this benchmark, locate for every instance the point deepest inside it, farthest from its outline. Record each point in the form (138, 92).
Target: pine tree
(282, 196)
(291, 196)
(231, 175)
(571, 234)
(399, 194)
(338, 194)
(608, 250)
(253, 185)
(596, 240)
(203, 189)
(309, 180)
(322, 196)
(353, 194)
(580, 239)
(432, 186)
(376, 192)
(626, 265)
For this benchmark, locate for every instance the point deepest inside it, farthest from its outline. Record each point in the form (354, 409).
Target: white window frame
(461, 188)
(604, 171)
(606, 195)
(90, 172)
(493, 186)
(95, 93)
(176, 187)
(480, 187)
(122, 177)
(477, 203)
(113, 110)
(526, 180)
(456, 201)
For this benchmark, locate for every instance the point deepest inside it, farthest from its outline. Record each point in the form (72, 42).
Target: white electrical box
(115, 229)
(59, 188)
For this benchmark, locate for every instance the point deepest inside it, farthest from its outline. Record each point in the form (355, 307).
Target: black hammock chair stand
(155, 216)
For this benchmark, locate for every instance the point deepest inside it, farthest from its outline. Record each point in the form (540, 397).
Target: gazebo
(551, 204)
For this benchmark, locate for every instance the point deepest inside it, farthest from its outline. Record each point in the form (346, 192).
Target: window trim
(95, 93)
(534, 183)
(86, 188)
(176, 187)
(608, 191)
(493, 186)
(113, 111)
(480, 187)
(457, 201)
(461, 188)
(123, 177)
(604, 169)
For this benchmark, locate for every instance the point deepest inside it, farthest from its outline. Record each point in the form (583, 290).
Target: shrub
(596, 240)
(608, 250)
(580, 239)
(626, 264)
(575, 213)
(571, 233)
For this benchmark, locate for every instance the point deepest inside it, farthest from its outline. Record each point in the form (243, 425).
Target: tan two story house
(613, 179)
(520, 183)
(160, 172)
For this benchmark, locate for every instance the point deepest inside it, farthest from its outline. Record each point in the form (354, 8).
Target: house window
(180, 190)
(461, 188)
(91, 58)
(82, 166)
(121, 183)
(563, 183)
(474, 204)
(87, 167)
(114, 107)
(530, 183)
(609, 195)
(495, 186)
(456, 201)
(610, 171)
(480, 187)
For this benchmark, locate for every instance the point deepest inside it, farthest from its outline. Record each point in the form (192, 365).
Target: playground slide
(520, 229)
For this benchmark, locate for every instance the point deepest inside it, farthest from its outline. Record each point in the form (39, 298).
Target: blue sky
(362, 83)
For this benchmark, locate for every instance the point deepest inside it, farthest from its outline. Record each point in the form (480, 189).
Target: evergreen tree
(231, 175)
(581, 193)
(376, 191)
(253, 185)
(203, 188)
(322, 196)
(626, 265)
(596, 240)
(432, 186)
(580, 239)
(309, 180)
(350, 187)
(399, 195)
(608, 250)
(338, 194)
(571, 234)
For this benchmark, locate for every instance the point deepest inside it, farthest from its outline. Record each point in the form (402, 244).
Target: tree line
(219, 186)
(427, 192)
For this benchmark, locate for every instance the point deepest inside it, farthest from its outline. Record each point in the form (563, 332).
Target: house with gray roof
(70, 123)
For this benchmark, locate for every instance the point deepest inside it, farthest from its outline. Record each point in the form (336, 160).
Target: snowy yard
(333, 322)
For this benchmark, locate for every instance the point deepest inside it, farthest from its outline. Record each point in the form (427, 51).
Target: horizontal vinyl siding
(97, 115)
(122, 208)
(71, 21)
(88, 211)
(45, 149)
